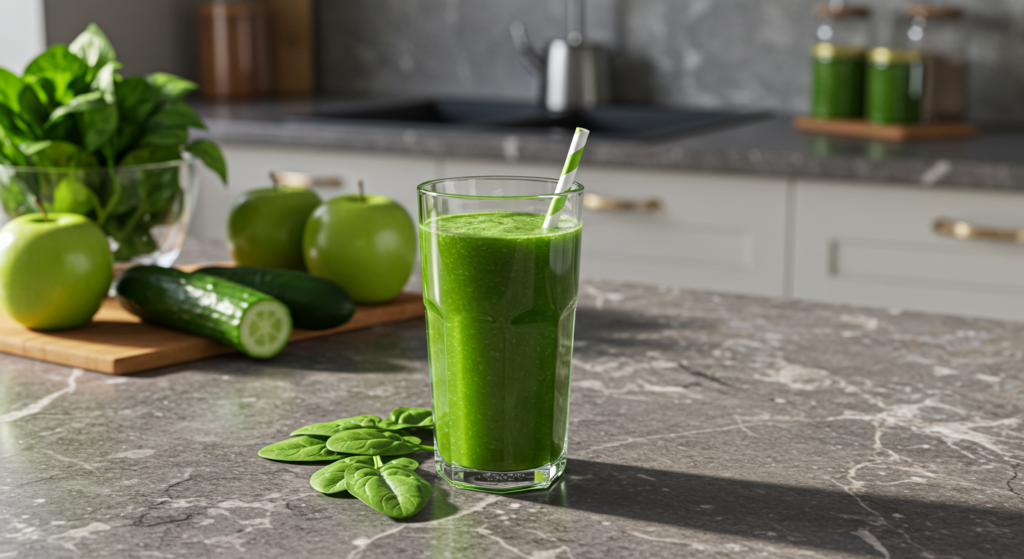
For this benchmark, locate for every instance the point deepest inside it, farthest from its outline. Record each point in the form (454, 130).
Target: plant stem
(377, 462)
(426, 447)
(361, 198)
(39, 203)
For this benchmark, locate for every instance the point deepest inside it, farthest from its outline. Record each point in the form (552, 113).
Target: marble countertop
(702, 425)
(764, 146)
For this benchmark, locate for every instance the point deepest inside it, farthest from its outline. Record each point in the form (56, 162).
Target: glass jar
(842, 35)
(894, 86)
(939, 34)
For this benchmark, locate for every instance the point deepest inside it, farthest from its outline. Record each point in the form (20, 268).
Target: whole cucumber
(315, 303)
(236, 315)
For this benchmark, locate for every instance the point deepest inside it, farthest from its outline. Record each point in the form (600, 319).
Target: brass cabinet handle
(600, 203)
(965, 230)
(295, 178)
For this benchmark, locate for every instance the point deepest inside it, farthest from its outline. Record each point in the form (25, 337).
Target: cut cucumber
(315, 303)
(266, 327)
(248, 320)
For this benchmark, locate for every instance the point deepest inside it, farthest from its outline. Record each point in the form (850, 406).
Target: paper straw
(572, 162)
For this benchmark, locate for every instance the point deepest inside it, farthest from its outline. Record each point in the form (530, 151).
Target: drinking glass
(500, 293)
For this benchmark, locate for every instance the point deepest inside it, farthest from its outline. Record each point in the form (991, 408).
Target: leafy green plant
(373, 468)
(72, 110)
(408, 418)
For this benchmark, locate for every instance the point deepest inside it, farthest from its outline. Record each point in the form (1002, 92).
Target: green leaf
(141, 156)
(392, 490)
(78, 104)
(97, 125)
(104, 82)
(332, 428)
(371, 442)
(31, 107)
(167, 137)
(171, 87)
(10, 88)
(210, 154)
(15, 126)
(330, 480)
(408, 418)
(55, 153)
(93, 47)
(136, 98)
(300, 449)
(62, 67)
(176, 114)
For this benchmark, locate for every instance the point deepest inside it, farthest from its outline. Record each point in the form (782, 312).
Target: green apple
(366, 244)
(265, 226)
(54, 270)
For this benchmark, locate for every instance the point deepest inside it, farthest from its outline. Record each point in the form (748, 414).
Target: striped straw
(572, 162)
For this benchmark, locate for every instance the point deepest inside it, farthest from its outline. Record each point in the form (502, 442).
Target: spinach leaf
(330, 480)
(10, 87)
(67, 71)
(78, 104)
(408, 418)
(371, 442)
(210, 154)
(394, 491)
(332, 428)
(171, 87)
(300, 449)
(140, 156)
(104, 82)
(55, 153)
(164, 137)
(97, 125)
(93, 47)
(31, 107)
(176, 114)
(136, 98)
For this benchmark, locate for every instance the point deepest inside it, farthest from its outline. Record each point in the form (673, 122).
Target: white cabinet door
(723, 233)
(874, 245)
(395, 176)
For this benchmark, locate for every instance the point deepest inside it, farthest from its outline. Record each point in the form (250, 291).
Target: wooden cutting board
(116, 342)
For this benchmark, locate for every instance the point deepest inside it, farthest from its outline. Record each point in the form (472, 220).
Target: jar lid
(934, 12)
(830, 10)
(829, 51)
(882, 55)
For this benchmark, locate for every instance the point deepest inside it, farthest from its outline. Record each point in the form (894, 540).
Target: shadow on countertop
(800, 516)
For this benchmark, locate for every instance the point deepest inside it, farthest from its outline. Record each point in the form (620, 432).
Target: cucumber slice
(236, 315)
(265, 329)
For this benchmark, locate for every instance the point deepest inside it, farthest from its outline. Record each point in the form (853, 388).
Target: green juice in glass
(500, 293)
(837, 81)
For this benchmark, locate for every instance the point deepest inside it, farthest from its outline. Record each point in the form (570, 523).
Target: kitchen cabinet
(875, 245)
(718, 232)
(395, 176)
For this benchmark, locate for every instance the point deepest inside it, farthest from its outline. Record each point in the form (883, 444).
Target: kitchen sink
(637, 123)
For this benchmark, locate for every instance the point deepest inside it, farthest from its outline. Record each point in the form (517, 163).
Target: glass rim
(577, 188)
(186, 159)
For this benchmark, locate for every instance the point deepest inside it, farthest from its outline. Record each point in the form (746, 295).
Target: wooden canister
(233, 50)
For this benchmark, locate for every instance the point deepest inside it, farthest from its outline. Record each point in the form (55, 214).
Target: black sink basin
(638, 123)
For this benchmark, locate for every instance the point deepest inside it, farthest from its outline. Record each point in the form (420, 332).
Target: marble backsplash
(707, 53)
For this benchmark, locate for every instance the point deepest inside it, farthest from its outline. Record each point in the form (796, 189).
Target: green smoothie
(500, 293)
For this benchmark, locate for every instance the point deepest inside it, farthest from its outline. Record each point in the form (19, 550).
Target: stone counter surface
(702, 425)
(765, 145)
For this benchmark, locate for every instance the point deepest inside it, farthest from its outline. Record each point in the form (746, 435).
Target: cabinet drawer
(877, 246)
(723, 233)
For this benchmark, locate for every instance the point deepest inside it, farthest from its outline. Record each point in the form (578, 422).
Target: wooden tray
(858, 128)
(116, 342)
